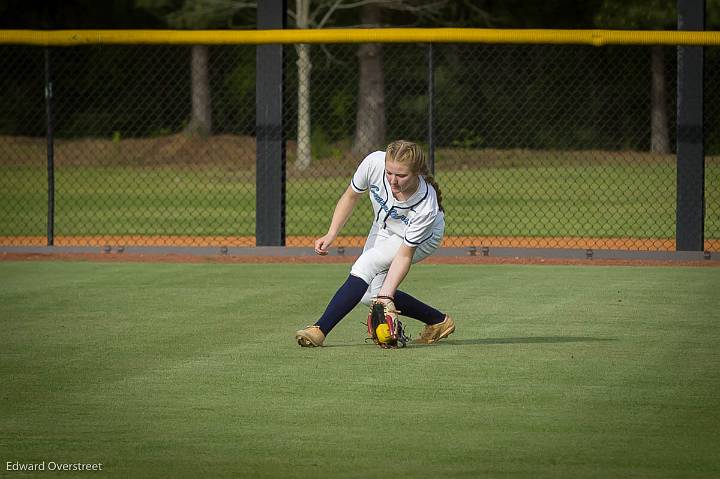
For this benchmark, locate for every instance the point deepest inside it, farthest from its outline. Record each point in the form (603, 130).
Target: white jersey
(416, 220)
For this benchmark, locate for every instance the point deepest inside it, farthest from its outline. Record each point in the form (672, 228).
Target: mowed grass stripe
(183, 370)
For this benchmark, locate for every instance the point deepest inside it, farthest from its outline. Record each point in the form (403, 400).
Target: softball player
(408, 226)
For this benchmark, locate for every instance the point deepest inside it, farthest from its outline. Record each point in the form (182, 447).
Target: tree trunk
(304, 145)
(201, 119)
(659, 142)
(304, 65)
(370, 120)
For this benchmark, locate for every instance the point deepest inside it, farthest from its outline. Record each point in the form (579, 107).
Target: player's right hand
(322, 244)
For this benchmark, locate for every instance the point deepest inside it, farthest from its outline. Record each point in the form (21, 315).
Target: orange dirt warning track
(629, 244)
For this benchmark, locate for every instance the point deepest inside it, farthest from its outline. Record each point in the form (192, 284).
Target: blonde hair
(409, 153)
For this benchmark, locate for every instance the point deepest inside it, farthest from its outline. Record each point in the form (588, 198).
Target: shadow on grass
(528, 340)
(350, 345)
(466, 342)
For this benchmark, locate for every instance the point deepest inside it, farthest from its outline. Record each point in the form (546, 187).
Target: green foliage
(648, 14)
(21, 91)
(342, 107)
(241, 82)
(233, 100)
(467, 138)
(160, 132)
(323, 147)
(197, 13)
(406, 90)
(496, 96)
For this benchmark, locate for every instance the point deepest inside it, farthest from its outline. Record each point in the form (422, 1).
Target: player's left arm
(398, 270)
(419, 227)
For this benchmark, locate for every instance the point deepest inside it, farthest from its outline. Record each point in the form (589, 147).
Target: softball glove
(384, 327)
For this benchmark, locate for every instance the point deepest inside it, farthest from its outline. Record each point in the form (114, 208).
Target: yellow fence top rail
(365, 35)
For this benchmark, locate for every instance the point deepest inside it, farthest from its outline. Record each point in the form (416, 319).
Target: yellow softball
(383, 333)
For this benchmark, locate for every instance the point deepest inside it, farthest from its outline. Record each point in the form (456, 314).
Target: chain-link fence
(533, 145)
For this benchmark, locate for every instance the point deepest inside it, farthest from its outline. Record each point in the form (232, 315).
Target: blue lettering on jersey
(383, 205)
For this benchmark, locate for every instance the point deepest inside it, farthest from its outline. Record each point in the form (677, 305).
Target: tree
(652, 14)
(304, 64)
(370, 125)
(308, 16)
(197, 14)
(60, 14)
(370, 119)
(646, 14)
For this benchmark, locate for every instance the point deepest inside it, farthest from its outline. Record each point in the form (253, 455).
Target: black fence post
(690, 212)
(50, 151)
(270, 136)
(431, 110)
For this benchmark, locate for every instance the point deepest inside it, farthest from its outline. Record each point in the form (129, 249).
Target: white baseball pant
(380, 249)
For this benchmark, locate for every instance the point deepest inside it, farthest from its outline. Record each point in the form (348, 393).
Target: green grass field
(542, 198)
(191, 370)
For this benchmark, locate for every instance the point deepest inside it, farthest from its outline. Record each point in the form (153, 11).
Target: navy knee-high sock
(346, 298)
(416, 309)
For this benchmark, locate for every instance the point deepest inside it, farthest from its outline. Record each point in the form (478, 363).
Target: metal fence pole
(270, 161)
(690, 212)
(50, 152)
(431, 110)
